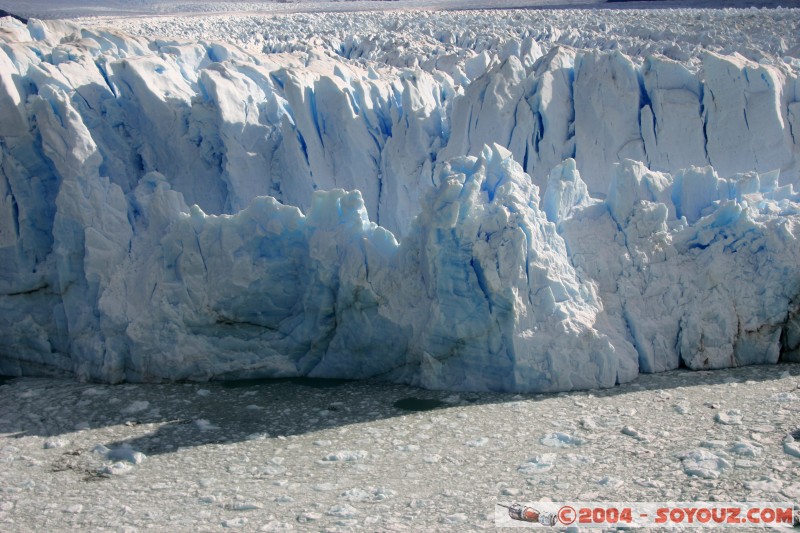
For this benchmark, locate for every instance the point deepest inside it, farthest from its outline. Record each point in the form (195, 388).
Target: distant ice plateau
(455, 210)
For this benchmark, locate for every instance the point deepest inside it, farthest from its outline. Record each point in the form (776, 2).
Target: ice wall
(530, 222)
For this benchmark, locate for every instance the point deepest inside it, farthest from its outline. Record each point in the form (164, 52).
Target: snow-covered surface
(521, 205)
(137, 8)
(291, 456)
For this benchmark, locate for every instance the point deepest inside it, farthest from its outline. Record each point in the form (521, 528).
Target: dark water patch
(314, 383)
(5, 379)
(4, 13)
(419, 404)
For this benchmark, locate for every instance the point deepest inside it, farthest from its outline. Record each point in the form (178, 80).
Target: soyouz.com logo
(647, 514)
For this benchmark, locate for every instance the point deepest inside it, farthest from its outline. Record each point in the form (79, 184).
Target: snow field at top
(504, 201)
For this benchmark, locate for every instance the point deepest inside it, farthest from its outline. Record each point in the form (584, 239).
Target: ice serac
(672, 122)
(701, 277)
(480, 295)
(553, 137)
(267, 292)
(418, 130)
(566, 192)
(607, 97)
(486, 114)
(508, 311)
(745, 115)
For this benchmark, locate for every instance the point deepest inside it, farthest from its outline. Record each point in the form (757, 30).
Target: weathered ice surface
(519, 218)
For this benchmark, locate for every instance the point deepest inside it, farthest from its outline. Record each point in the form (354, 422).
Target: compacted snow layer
(510, 214)
(122, 8)
(356, 456)
(442, 39)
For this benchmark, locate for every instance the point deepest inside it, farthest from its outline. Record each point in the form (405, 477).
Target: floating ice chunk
(234, 522)
(346, 456)
(746, 449)
(457, 518)
(792, 448)
(650, 483)
(370, 494)
(342, 511)
(588, 423)
(635, 433)
(579, 459)
(136, 407)
(732, 417)
(123, 453)
(126, 453)
(704, 464)
(204, 425)
(681, 408)
(117, 469)
(276, 526)
(54, 442)
(714, 444)
(765, 484)
(561, 440)
(791, 491)
(538, 464)
(785, 397)
(244, 506)
(308, 516)
(610, 482)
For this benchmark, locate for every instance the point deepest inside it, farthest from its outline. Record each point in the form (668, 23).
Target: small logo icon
(528, 514)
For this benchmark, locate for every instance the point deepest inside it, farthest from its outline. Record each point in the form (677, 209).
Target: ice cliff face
(532, 220)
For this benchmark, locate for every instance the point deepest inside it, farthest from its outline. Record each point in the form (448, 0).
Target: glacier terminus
(518, 212)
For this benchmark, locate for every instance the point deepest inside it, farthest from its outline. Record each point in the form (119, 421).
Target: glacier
(516, 215)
